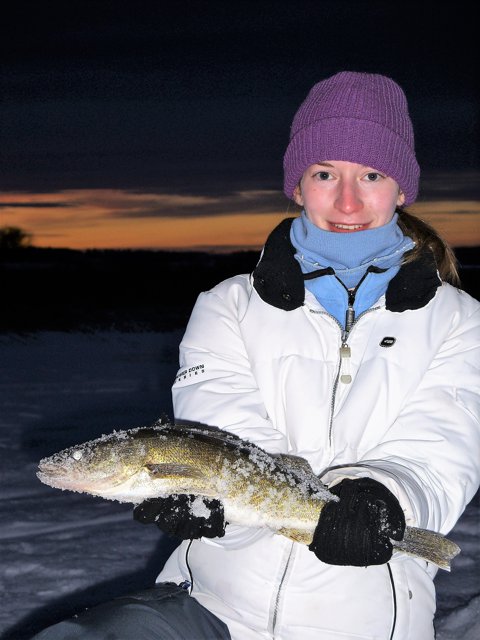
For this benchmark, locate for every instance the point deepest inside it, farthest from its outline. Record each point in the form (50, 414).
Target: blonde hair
(425, 236)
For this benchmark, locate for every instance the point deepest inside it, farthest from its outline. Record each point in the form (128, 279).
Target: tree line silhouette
(127, 290)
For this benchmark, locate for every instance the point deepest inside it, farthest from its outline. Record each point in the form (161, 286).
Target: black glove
(175, 516)
(357, 529)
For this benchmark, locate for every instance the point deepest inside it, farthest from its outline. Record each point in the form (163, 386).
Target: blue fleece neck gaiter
(350, 255)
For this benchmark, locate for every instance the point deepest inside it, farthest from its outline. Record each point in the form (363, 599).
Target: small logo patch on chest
(388, 341)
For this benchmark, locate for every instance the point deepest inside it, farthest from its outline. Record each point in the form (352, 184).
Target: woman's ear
(400, 199)
(297, 195)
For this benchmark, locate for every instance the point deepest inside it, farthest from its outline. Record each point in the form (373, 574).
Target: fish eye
(77, 455)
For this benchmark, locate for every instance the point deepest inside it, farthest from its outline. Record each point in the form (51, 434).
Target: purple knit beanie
(357, 117)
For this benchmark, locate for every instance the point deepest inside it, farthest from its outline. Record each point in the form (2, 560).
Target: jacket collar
(279, 281)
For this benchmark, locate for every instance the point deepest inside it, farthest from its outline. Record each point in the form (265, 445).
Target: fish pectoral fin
(157, 470)
(304, 537)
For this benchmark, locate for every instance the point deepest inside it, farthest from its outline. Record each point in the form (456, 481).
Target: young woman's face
(345, 197)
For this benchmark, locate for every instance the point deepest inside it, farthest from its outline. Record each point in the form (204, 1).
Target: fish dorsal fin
(295, 463)
(208, 434)
(159, 470)
(208, 431)
(219, 437)
(301, 469)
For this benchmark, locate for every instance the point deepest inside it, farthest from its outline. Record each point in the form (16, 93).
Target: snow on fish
(257, 489)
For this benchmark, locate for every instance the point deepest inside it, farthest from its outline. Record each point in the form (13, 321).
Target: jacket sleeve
(430, 456)
(215, 384)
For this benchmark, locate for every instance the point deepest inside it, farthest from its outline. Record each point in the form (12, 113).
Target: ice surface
(63, 551)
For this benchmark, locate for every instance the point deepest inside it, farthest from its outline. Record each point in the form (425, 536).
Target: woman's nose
(348, 199)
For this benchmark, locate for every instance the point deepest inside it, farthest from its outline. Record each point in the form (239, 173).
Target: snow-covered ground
(61, 551)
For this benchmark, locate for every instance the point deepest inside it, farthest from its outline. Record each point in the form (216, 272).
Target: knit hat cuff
(352, 140)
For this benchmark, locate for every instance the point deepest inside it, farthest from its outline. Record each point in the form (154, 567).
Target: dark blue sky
(199, 96)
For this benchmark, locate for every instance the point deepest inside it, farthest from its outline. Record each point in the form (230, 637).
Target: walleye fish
(257, 489)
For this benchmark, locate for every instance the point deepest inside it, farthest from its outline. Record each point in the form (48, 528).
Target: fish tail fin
(428, 545)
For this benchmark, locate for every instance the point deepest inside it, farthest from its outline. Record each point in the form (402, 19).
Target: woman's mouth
(346, 228)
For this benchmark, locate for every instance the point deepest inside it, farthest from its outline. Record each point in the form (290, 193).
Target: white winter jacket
(261, 358)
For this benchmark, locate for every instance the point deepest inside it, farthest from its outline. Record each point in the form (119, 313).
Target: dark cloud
(191, 206)
(450, 185)
(199, 96)
(34, 205)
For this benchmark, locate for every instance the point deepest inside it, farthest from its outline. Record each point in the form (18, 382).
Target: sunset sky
(113, 219)
(134, 124)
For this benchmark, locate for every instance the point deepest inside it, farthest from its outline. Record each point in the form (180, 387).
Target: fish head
(129, 466)
(95, 466)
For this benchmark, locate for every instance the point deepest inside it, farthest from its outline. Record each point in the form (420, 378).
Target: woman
(348, 347)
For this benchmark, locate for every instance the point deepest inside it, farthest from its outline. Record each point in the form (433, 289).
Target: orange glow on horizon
(115, 219)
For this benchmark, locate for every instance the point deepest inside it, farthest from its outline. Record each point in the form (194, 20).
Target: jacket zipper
(279, 590)
(345, 351)
(394, 601)
(345, 354)
(343, 369)
(344, 363)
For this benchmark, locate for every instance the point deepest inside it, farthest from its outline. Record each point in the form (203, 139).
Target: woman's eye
(322, 175)
(373, 176)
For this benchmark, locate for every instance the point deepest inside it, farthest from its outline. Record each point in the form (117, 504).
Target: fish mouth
(59, 477)
(54, 479)
(50, 471)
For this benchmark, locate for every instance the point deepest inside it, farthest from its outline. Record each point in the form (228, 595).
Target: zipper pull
(349, 319)
(345, 354)
(350, 313)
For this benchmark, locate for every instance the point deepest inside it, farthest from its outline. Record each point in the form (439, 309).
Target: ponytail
(425, 236)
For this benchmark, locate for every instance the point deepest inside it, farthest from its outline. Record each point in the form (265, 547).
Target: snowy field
(62, 552)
